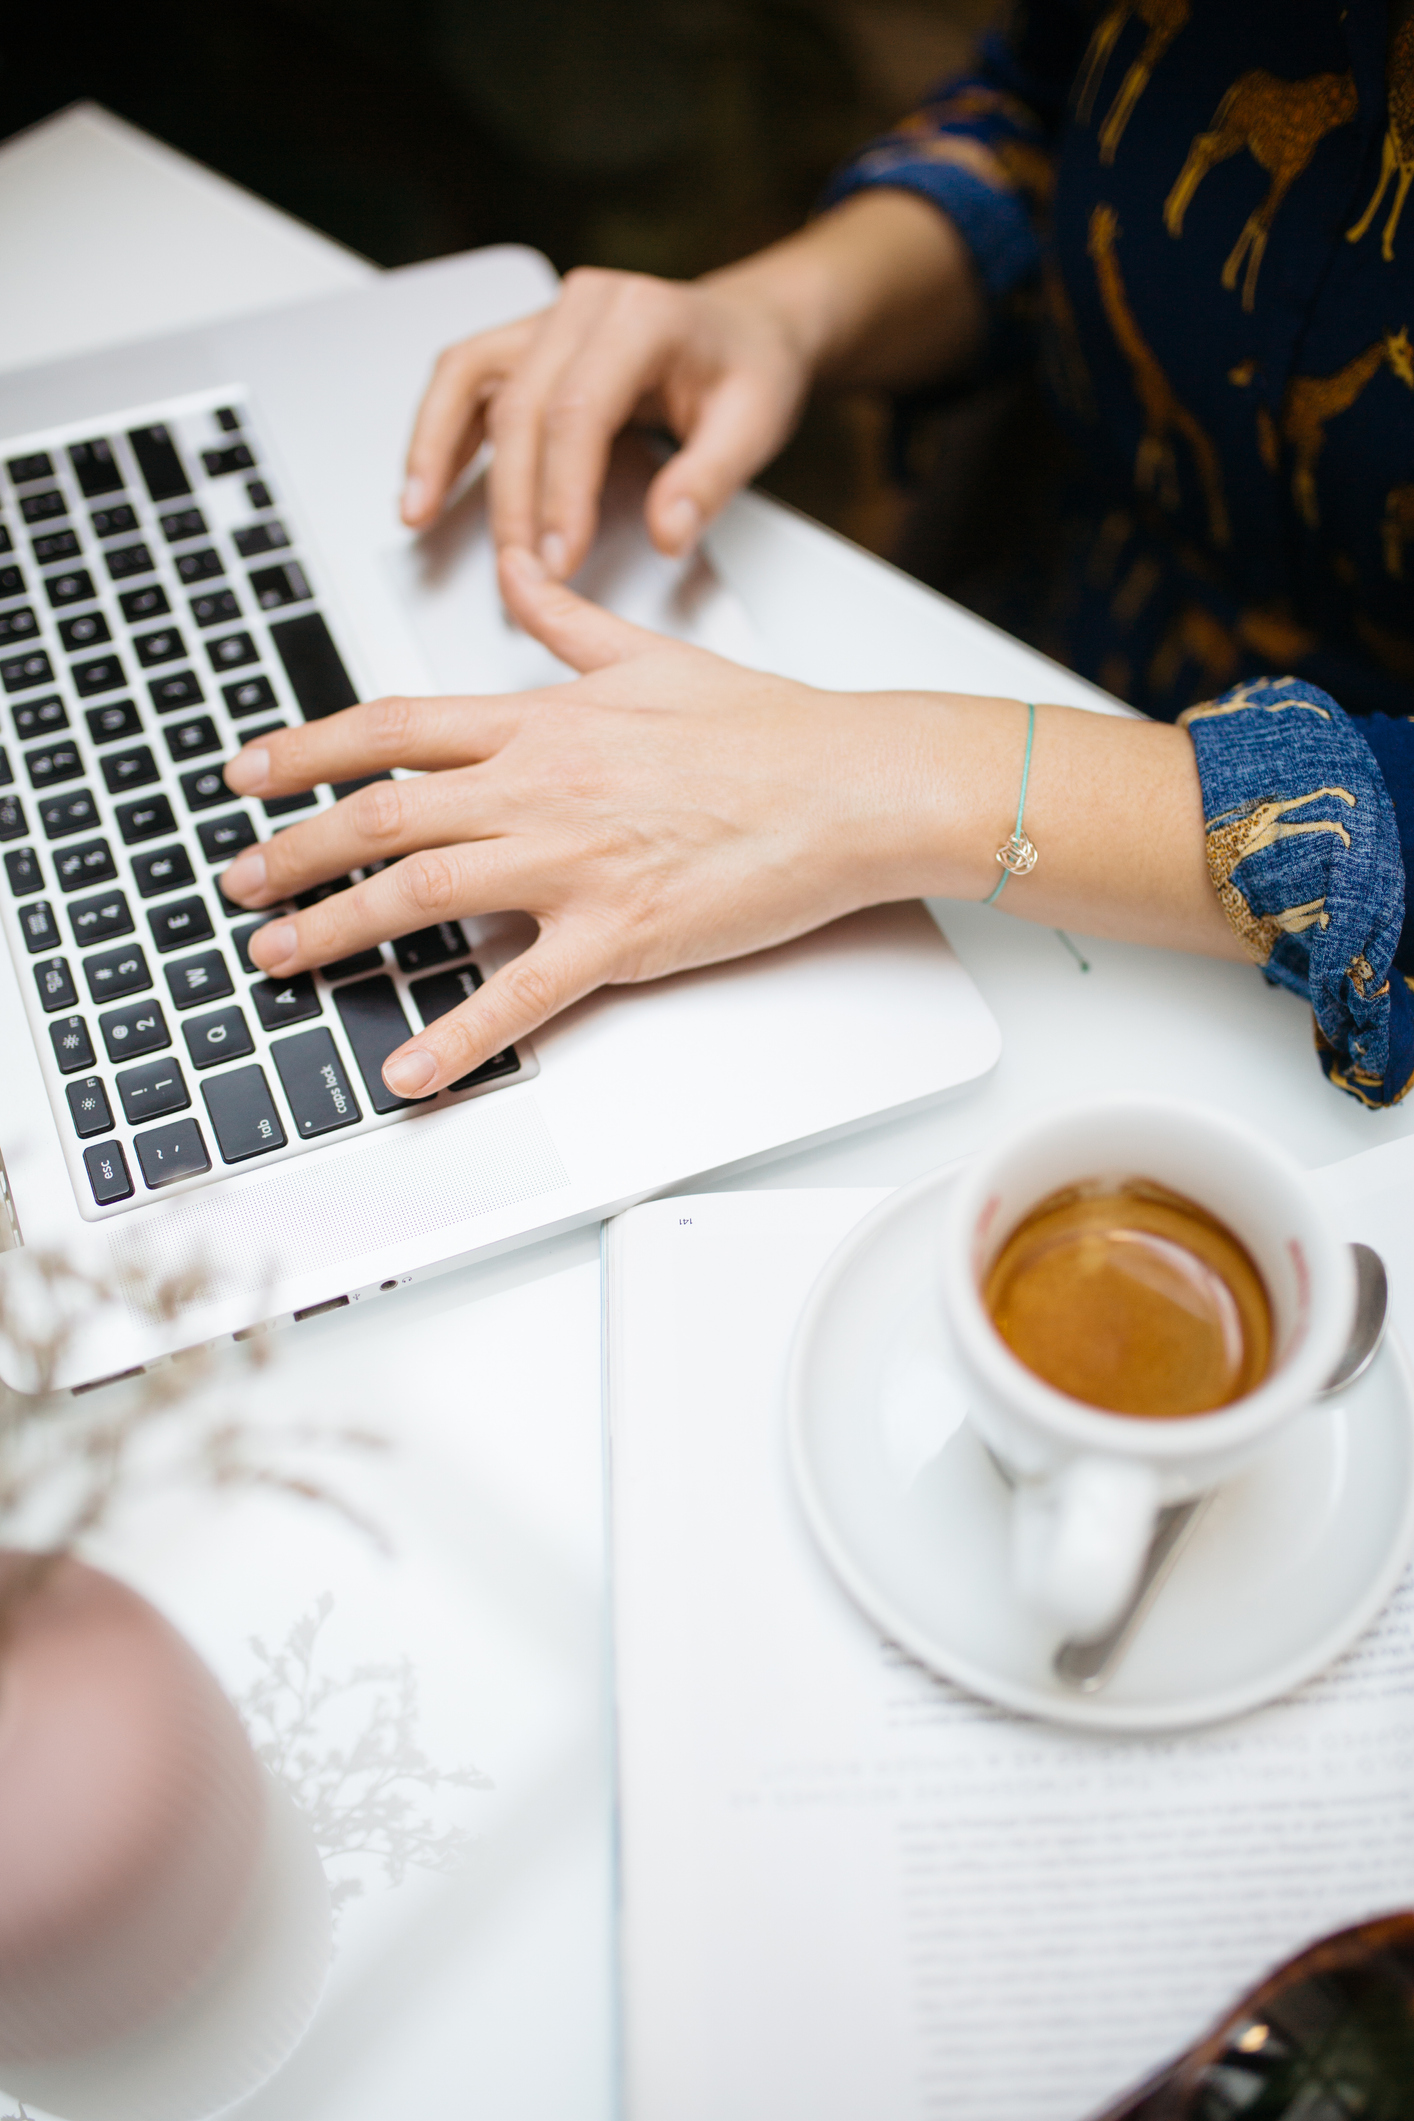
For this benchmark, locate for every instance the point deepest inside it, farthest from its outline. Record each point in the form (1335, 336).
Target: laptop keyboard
(158, 609)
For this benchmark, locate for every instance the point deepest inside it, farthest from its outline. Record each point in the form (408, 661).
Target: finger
(380, 823)
(423, 735)
(741, 426)
(558, 969)
(584, 635)
(593, 397)
(515, 419)
(435, 885)
(451, 418)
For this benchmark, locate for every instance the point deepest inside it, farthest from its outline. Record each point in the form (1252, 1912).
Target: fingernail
(552, 552)
(270, 946)
(682, 523)
(249, 770)
(246, 875)
(414, 498)
(409, 1072)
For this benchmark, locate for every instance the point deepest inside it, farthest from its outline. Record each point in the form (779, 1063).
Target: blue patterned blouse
(1197, 209)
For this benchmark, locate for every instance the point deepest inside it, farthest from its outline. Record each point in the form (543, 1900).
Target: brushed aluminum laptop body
(288, 430)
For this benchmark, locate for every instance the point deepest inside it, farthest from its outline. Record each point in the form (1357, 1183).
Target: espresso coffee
(1133, 1299)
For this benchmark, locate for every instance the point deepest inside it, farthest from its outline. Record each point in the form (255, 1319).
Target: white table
(501, 1986)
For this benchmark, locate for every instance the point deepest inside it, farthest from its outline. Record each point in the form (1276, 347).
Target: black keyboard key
(171, 1152)
(114, 973)
(319, 1093)
(222, 838)
(7, 771)
(205, 789)
(192, 740)
(24, 871)
(113, 522)
(313, 664)
(95, 468)
(248, 697)
(164, 646)
(259, 495)
(159, 463)
(7, 543)
(56, 985)
(240, 937)
(231, 651)
(113, 720)
(38, 925)
(12, 818)
(12, 581)
(100, 920)
(165, 869)
(75, 587)
(89, 1108)
(17, 625)
(56, 762)
(152, 1089)
(149, 602)
(178, 926)
(103, 674)
(221, 462)
(215, 608)
(42, 507)
(228, 419)
(374, 1025)
(202, 978)
(317, 893)
(182, 689)
(145, 820)
(284, 805)
(222, 1036)
(507, 1063)
(124, 770)
(287, 1001)
(200, 566)
(349, 967)
(55, 545)
(89, 630)
(260, 537)
(62, 814)
(107, 1173)
(39, 717)
(25, 470)
(275, 587)
(139, 1028)
(183, 523)
(19, 672)
(243, 1115)
(427, 947)
(73, 1048)
(124, 561)
(90, 862)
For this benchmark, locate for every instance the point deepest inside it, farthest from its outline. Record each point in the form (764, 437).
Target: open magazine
(850, 1890)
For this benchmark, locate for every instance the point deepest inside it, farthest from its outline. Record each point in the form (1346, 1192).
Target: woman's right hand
(718, 362)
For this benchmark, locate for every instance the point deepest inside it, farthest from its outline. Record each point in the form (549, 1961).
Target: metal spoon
(1087, 1665)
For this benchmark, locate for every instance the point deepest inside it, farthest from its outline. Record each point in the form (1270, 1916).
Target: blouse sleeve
(1305, 852)
(982, 148)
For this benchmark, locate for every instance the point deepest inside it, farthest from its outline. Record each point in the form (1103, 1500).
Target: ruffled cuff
(1303, 850)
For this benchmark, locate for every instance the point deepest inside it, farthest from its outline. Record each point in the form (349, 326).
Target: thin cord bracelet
(1019, 855)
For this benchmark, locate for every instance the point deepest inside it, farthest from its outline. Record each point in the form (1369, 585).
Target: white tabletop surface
(516, 1342)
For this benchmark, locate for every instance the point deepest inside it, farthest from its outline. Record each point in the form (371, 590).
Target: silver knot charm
(1019, 856)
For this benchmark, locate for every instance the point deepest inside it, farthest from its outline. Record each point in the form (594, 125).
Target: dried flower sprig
(66, 1460)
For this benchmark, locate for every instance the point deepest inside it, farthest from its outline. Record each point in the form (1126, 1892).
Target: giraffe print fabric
(1189, 219)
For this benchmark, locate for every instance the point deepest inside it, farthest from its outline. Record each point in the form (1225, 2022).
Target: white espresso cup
(1088, 1484)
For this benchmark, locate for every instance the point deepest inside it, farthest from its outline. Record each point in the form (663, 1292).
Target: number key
(90, 862)
(115, 972)
(139, 1028)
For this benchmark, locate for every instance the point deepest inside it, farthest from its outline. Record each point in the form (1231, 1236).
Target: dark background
(663, 136)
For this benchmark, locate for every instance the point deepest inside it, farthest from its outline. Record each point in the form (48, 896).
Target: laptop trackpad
(445, 585)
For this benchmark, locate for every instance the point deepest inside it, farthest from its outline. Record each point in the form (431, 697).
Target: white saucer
(1290, 1564)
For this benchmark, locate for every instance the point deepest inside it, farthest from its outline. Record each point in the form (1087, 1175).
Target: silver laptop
(199, 542)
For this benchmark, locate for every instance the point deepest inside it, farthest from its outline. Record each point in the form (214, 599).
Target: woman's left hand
(665, 809)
